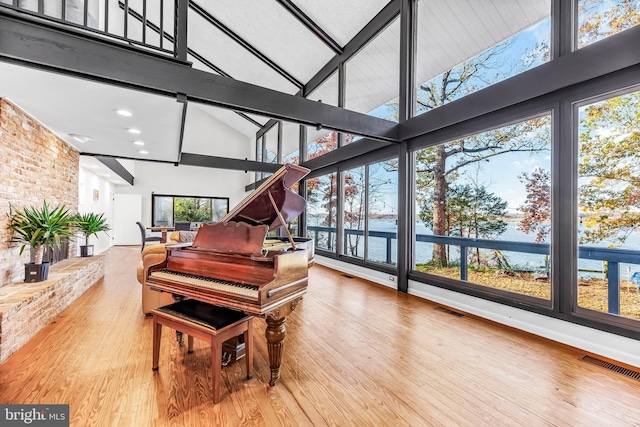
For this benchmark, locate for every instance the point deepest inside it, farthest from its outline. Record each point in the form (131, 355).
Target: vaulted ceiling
(283, 45)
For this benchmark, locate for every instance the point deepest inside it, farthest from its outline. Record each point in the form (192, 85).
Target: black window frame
(173, 196)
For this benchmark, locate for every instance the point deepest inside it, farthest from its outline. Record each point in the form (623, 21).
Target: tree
(192, 209)
(321, 191)
(609, 169)
(602, 18)
(354, 206)
(440, 165)
(472, 212)
(537, 207)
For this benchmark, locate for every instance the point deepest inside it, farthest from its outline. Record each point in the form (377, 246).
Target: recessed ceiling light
(138, 142)
(136, 131)
(143, 152)
(124, 113)
(80, 138)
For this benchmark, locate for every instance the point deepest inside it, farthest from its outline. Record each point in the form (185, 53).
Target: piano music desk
(209, 323)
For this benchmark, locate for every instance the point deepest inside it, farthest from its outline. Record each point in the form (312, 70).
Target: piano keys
(232, 263)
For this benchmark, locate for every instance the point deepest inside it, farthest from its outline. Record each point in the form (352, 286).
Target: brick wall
(26, 308)
(34, 165)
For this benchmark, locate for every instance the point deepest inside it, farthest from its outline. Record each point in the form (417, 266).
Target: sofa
(152, 255)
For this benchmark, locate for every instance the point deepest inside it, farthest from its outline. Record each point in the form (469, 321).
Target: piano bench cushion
(207, 315)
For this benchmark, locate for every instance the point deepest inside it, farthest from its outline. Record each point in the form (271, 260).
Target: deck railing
(612, 257)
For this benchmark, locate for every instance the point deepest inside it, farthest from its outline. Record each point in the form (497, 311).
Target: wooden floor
(356, 354)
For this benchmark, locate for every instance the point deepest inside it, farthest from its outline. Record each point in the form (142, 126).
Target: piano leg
(275, 334)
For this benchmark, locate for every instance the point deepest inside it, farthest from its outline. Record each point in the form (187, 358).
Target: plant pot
(36, 272)
(86, 251)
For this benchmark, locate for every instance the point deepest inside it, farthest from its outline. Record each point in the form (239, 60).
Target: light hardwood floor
(356, 354)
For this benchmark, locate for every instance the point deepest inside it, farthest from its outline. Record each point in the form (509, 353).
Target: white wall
(87, 183)
(162, 178)
(204, 134)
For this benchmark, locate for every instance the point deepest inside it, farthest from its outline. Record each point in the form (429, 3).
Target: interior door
(127, 210)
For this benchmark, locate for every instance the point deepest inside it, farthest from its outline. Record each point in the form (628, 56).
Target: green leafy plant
(90, 224)
(39, 227)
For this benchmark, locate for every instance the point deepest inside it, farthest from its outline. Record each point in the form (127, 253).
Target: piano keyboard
(250, 291)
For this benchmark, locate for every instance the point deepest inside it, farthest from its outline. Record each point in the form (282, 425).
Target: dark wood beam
(52, 47)
(116, 167)
(354, 150)
(242, 42)
(311, 26)
(372, 29)
(205, 61)
(189, 159)
(596, 60)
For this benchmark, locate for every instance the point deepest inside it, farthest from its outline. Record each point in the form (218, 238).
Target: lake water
(520, 260)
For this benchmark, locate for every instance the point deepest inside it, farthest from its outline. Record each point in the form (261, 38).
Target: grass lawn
(592, 293)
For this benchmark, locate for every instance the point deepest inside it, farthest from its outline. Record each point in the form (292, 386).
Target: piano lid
(258, 209)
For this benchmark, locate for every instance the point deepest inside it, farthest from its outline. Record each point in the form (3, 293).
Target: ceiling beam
(189, 159)
(116, 167)
(191, 52)
(312, 26)
(183, 122)
(356, 149)
(242, 42)
(55, 48)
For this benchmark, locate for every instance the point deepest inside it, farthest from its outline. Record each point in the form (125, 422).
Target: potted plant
(37, 228)
(90, 224)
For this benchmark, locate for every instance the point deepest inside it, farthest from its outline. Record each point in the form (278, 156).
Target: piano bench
(209, 323)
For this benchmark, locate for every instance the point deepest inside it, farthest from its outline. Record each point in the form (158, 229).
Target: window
(320, 141)
(370, 212)
(271, 145)
(354, 195)
(483, 206)
(382, 213)
(463, 47)
(373, 76)
(609, 206)
(598, 19)
(290, 143)
(321, 211)
(167, 209)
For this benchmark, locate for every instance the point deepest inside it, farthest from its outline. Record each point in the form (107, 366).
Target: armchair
(152, 255)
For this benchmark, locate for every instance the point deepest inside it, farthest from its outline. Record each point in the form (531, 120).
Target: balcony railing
(150, 24)
(612, 257)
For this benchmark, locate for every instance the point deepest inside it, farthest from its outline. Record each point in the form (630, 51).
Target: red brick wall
(34, 165)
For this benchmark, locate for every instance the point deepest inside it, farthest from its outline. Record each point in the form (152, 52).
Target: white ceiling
(448, 33)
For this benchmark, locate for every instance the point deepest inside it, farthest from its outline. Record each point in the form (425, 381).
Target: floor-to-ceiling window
(609, 205)
(483, 208)
(322, 211)
(499, 186)
(367, 217)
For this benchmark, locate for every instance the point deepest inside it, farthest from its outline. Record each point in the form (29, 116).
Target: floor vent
(348, 276)
(449, 311)
(612, 367)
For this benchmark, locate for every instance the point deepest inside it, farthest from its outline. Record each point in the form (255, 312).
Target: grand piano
(234, 264)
